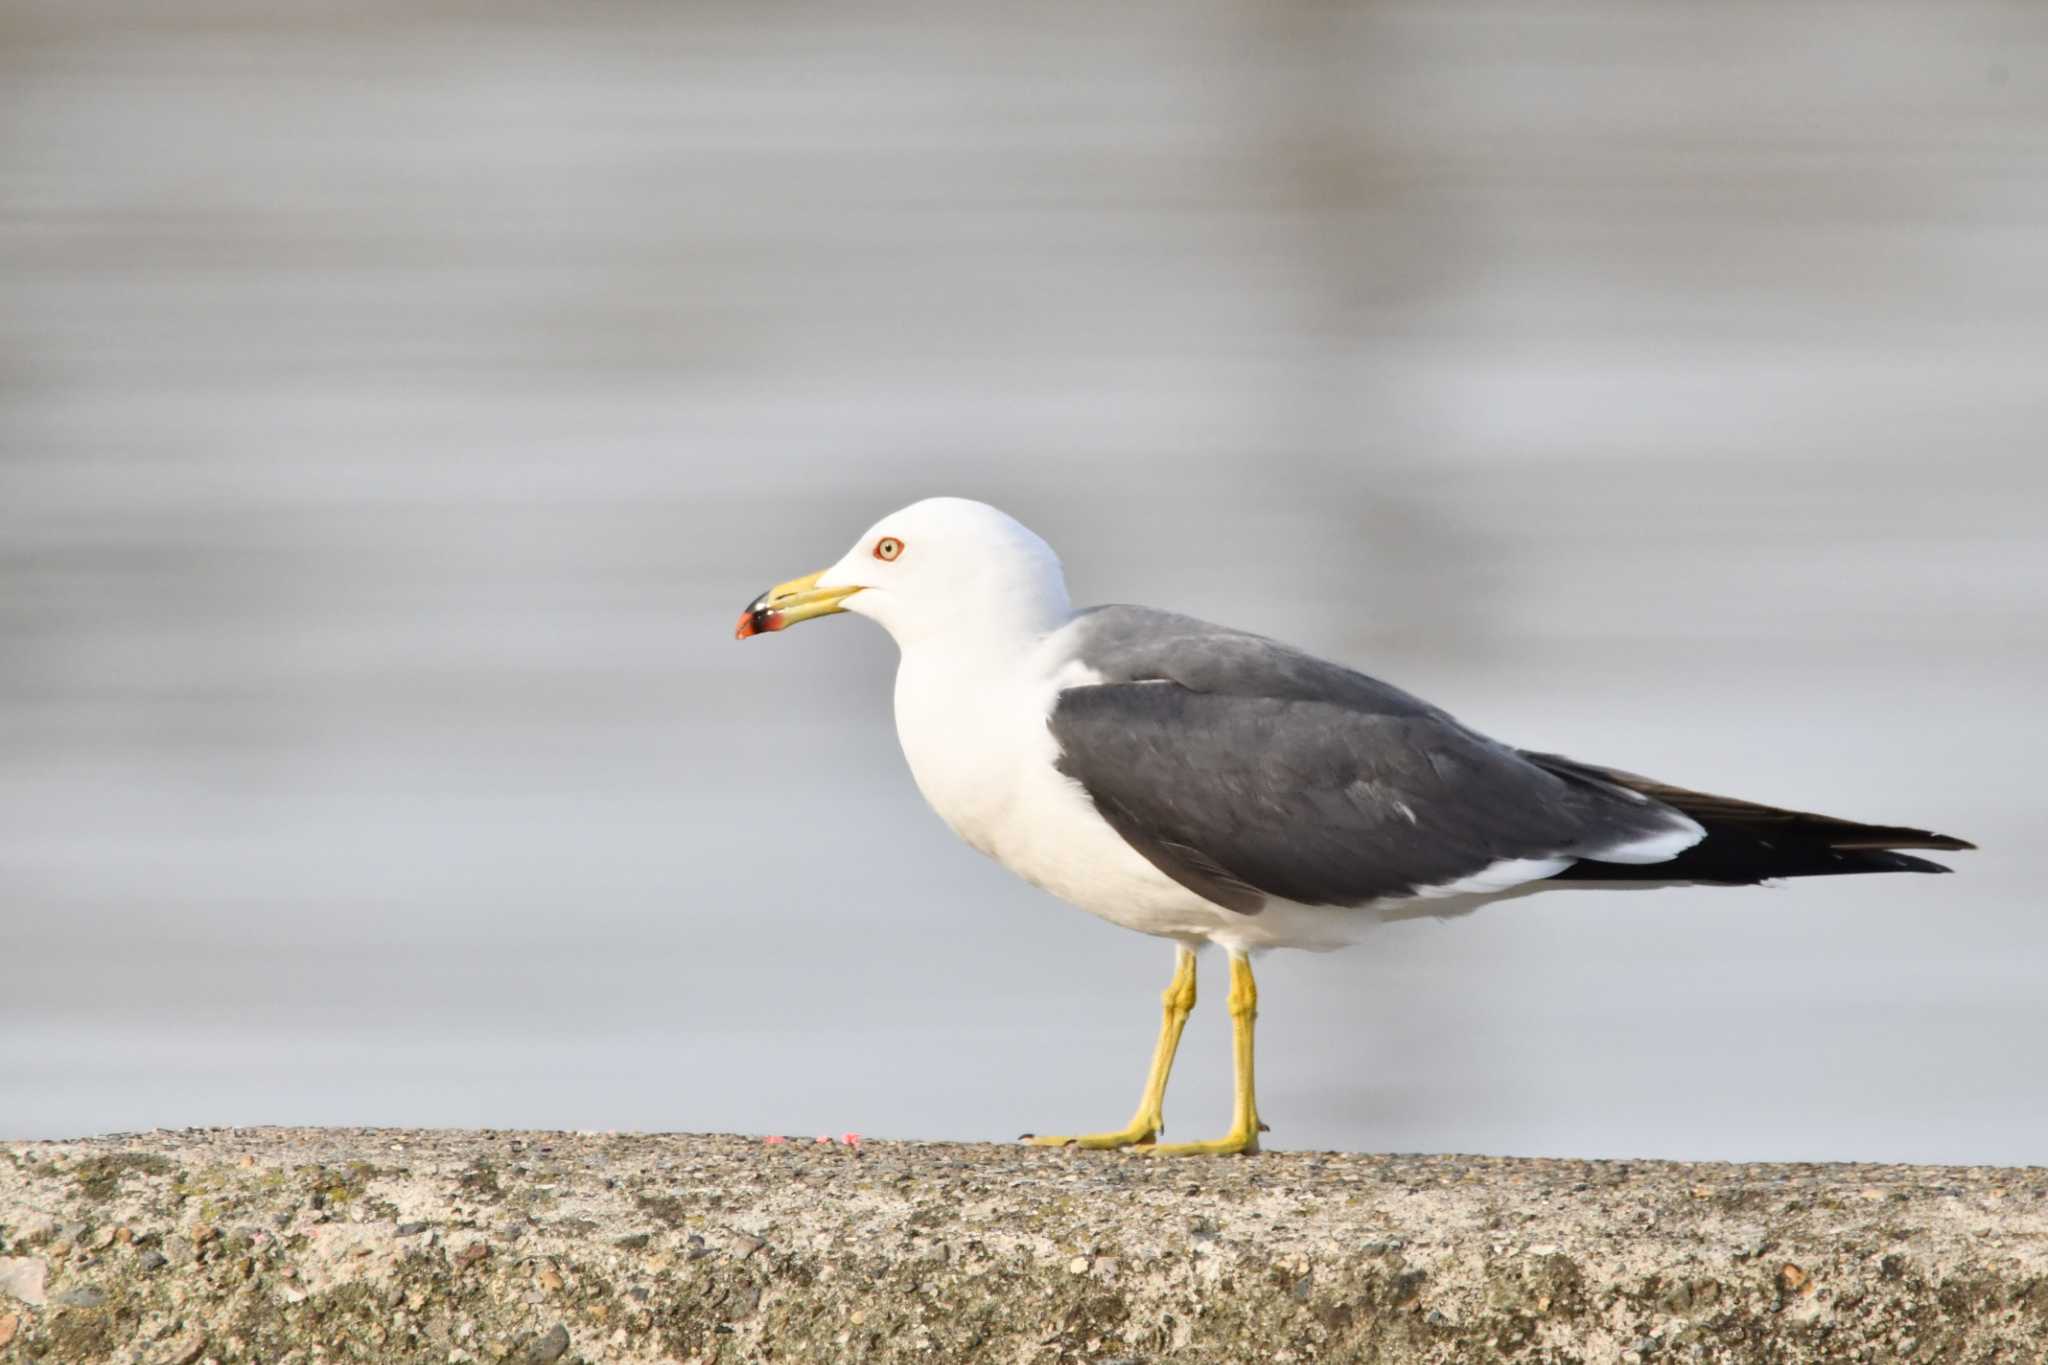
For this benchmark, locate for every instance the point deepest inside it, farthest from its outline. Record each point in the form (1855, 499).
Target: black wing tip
(1746, 862)
(1852, 860)
(1885, 839)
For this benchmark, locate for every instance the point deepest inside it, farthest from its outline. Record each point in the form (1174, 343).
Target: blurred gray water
(398, 402)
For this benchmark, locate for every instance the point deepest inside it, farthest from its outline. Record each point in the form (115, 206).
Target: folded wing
(1248, 771)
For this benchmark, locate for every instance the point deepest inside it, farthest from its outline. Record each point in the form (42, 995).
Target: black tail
(1748, 843)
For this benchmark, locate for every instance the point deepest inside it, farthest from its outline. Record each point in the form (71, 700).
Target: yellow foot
(1230, 1144)
(1098, 1142)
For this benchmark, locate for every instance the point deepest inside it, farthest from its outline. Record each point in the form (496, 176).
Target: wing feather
(1259, 772)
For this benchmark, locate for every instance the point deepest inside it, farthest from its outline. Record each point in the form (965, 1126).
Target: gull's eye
(888, 547)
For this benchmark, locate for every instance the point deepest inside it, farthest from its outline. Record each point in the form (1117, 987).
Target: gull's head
(944, 565)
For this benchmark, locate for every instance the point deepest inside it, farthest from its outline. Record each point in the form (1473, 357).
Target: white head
(944, 566)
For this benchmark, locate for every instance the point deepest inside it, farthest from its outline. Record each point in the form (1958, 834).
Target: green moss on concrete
(99, 1177)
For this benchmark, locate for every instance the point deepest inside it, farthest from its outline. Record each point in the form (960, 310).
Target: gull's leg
(1177, 1002)
(1244, 1123)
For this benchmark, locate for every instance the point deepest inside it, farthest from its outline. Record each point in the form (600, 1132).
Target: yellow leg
(1244, 1123)
(1178, 1001)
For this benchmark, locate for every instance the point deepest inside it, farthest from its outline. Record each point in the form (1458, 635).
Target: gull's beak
(785, 604)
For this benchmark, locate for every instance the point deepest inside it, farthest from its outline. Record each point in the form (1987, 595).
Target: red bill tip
(755, 620)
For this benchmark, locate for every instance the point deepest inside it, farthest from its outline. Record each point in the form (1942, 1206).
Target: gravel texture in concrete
(297, 1246)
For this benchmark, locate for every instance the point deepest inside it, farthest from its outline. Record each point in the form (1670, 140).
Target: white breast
(976, 737)
(960, 731)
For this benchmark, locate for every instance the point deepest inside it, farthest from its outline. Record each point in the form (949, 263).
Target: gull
(1210, 786)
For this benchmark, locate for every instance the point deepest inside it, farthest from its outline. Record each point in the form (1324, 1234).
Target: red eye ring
(888, 547)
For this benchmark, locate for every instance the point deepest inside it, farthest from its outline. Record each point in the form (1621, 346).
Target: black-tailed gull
(1207, 785)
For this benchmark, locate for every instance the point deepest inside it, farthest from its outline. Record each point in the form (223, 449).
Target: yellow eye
(888, 547)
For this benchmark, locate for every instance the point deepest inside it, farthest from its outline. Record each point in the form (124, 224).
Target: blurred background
(399, 401)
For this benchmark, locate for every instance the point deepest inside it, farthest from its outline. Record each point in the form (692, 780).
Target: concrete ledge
(281, 1245)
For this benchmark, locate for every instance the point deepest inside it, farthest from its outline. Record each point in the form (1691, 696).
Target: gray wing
(1246, 770)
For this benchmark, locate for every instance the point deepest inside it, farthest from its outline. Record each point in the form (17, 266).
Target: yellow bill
(785, 604)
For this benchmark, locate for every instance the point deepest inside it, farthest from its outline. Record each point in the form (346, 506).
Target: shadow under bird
(1207, 785)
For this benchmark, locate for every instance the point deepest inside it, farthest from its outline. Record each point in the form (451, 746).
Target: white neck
(970, 714)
